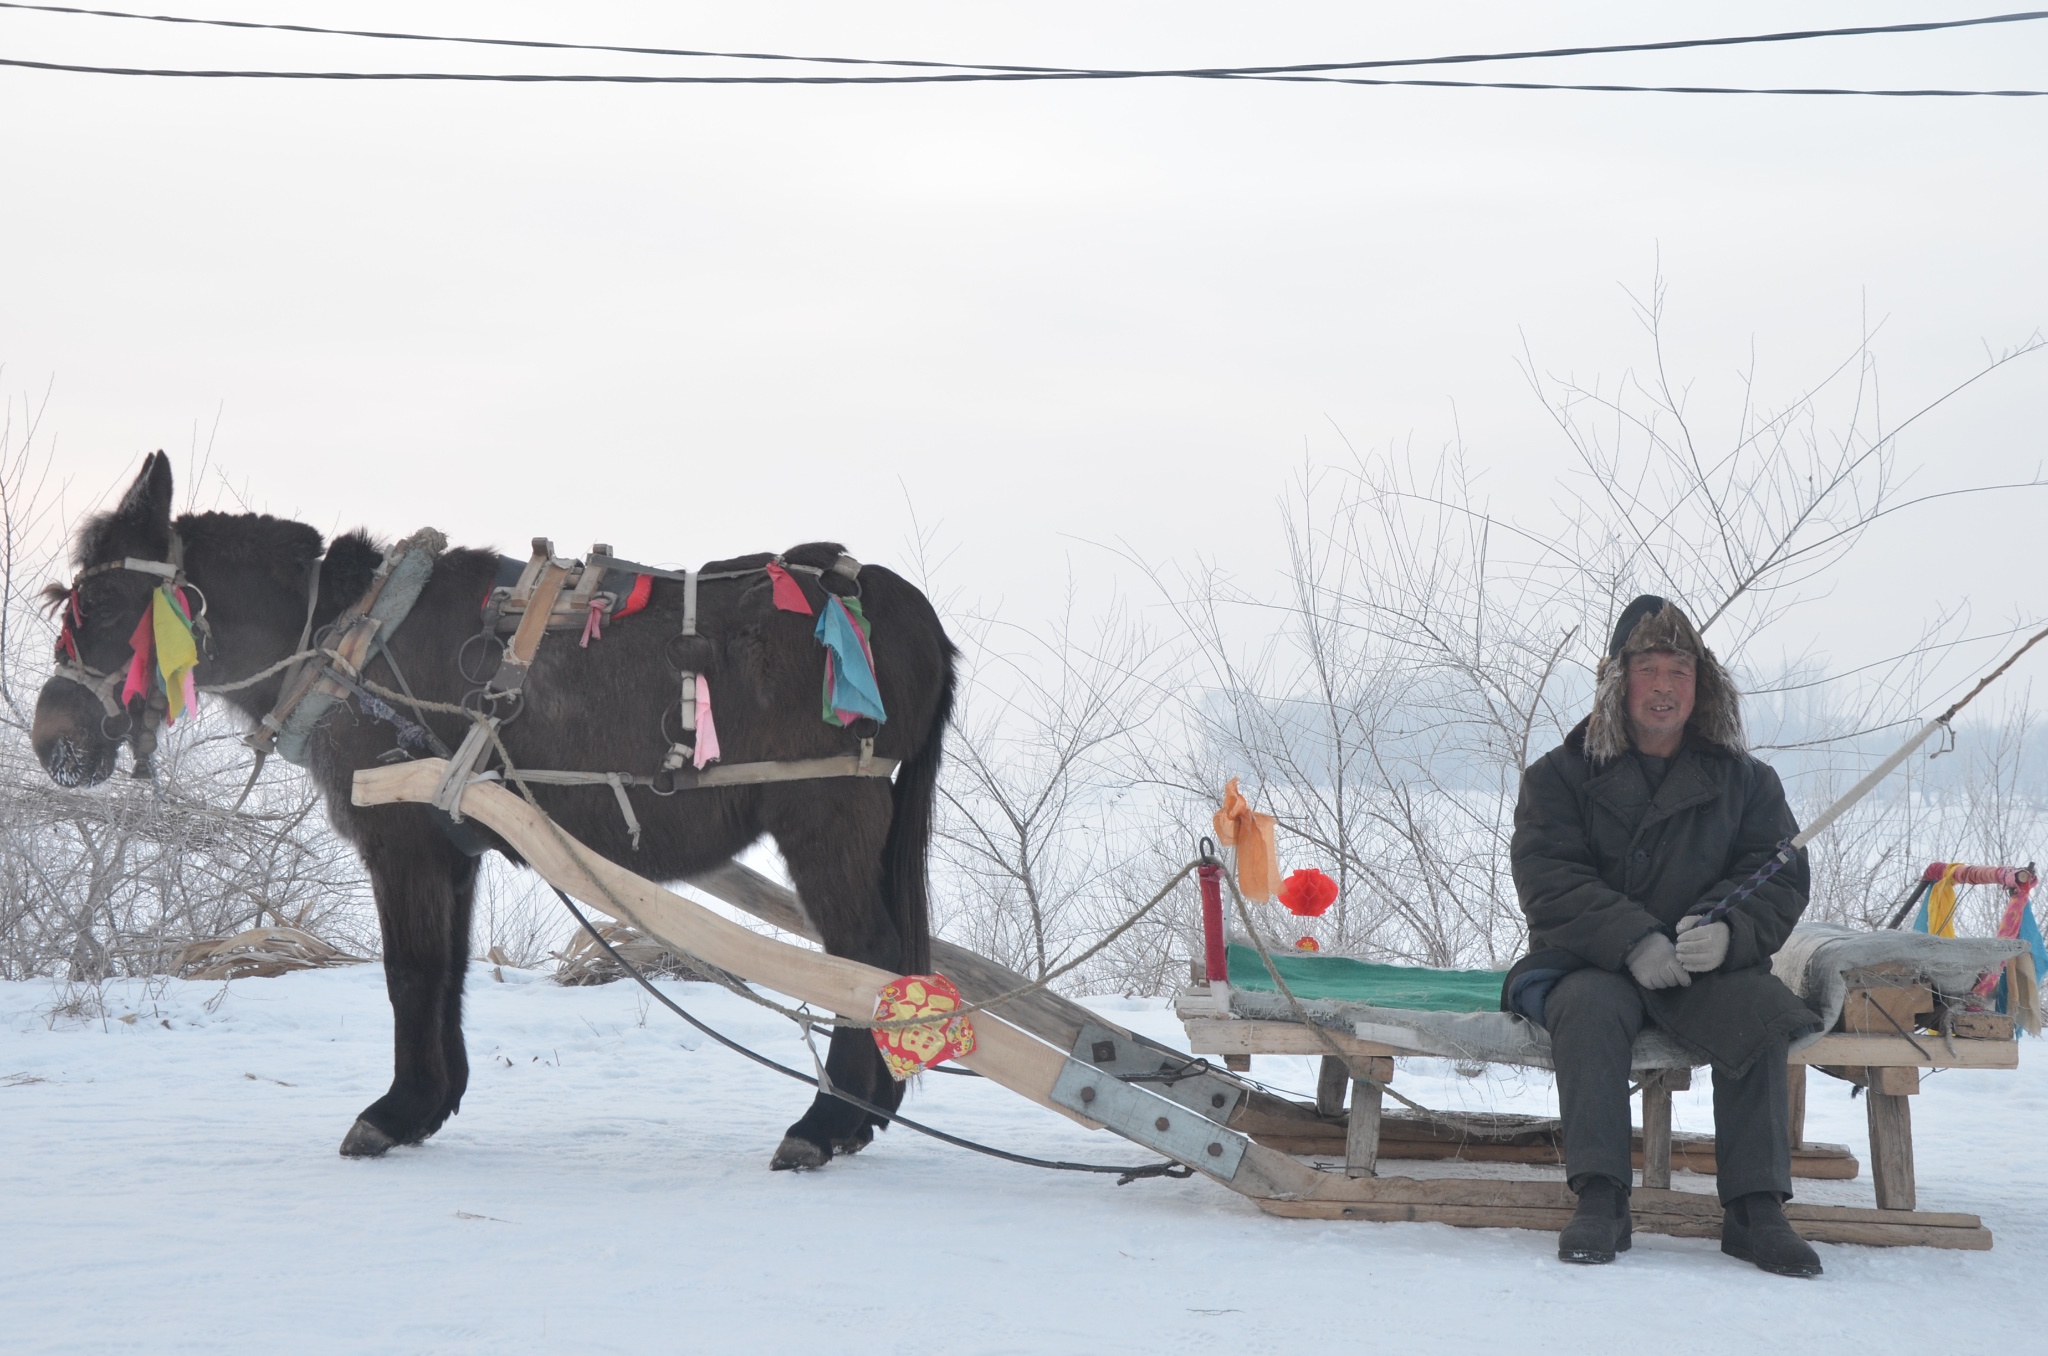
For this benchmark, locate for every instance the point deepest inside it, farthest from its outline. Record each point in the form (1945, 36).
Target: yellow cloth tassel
(1941, 903)
(176, 652)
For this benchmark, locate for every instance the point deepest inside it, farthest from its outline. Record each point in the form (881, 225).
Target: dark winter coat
(1600, 863)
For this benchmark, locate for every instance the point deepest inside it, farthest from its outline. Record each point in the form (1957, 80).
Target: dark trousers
(1594, 1017)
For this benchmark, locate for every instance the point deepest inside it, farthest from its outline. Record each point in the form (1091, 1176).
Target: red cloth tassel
(789, 595)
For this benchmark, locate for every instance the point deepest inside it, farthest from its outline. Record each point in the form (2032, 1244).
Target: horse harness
(549, 594)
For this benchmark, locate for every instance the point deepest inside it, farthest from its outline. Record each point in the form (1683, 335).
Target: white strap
(690, 602)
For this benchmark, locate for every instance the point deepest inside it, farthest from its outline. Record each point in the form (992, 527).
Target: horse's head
(81, 720)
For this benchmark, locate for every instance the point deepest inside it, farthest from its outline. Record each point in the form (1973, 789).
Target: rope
(261, 674)
(1125, 1175)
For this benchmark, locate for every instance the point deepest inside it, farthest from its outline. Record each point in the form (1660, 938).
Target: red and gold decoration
(908, 1050)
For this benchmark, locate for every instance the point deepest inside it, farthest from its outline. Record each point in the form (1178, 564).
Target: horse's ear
(149, 500)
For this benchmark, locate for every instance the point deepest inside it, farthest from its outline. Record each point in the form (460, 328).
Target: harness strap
(525, 642)
(462, 768)
(101, 685)
(359, 633)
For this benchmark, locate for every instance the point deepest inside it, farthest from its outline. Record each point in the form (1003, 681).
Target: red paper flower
(1308, 894)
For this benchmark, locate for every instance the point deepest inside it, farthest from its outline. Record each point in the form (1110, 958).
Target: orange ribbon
(1239, 826)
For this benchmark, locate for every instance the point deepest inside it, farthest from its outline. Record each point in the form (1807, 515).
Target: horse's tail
(906, 883)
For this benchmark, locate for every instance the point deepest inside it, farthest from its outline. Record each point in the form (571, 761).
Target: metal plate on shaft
(1135, 1062)
(1144, 1117)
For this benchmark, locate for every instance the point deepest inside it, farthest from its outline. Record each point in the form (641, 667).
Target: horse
(856, 846)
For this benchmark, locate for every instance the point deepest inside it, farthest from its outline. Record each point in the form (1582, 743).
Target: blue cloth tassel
(850, 688)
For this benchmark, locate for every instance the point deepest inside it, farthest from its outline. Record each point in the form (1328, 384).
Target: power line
(972, 72)
(984, 77)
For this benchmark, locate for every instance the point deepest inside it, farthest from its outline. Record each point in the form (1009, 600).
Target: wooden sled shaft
(1003, 1053)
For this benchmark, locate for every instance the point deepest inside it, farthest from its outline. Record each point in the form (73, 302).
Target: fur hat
(1653, 623)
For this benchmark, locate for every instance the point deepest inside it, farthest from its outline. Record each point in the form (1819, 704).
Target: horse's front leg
(424, 891)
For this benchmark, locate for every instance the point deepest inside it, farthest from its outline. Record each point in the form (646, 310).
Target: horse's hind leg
(424, 888)
(835, 864)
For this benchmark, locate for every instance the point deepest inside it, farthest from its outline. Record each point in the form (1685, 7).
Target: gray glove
(1654, 963)
(1701, 946)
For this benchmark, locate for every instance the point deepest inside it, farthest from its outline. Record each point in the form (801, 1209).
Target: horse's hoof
(365, 1140)
(853, 1144)
(797, 1152)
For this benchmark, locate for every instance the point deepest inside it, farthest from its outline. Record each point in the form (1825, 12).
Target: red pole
(1216, 961)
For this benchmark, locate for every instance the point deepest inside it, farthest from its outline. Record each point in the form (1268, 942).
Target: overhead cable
(473, 77)
(964, 72)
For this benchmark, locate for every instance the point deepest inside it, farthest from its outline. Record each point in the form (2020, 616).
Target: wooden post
(1657, 1088)
(1362, 1135)
(1330, 1081)
(1891, 1149)
(1795, 1105)
(1238, 1063)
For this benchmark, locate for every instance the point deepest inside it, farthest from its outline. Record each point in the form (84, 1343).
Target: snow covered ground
(169, 1182)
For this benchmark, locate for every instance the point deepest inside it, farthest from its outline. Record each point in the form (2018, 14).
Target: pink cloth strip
(707, 733)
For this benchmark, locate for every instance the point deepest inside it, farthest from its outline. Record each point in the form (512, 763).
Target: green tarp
(1379, 986)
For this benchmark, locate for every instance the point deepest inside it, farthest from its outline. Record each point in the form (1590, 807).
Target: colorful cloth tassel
(850, 688)
(1239, 826)
(789, 595)
(910, 1049)
(177, 651)
(142, 647)
(1937, 915)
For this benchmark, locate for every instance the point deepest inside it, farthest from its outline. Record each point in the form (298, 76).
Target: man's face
(1660, 694)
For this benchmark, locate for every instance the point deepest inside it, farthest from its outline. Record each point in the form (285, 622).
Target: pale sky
(698, 321)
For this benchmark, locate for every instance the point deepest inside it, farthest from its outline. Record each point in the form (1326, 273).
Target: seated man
(1648, 815)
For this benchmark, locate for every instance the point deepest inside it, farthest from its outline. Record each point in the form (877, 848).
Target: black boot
(1600, 1227)
(1754, 1228)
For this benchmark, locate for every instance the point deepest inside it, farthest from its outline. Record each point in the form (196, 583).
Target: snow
(169, 1182)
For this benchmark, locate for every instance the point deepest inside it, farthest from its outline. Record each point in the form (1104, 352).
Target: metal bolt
(1161, 1124)
(1215, 1151)
(1216, 1099)
(1087, 1094)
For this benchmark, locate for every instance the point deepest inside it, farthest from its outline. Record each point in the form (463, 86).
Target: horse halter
(71, 665)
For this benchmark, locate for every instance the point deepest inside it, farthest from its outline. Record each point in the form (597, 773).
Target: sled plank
(1475, 1204)
(1839, 1048)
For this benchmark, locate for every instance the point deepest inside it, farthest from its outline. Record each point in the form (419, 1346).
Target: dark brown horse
(855, 847)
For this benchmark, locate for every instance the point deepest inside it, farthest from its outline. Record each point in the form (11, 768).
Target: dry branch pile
(259, 953)
(583, 961)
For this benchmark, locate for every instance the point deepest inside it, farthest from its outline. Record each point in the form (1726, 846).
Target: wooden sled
(1073, 1062)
